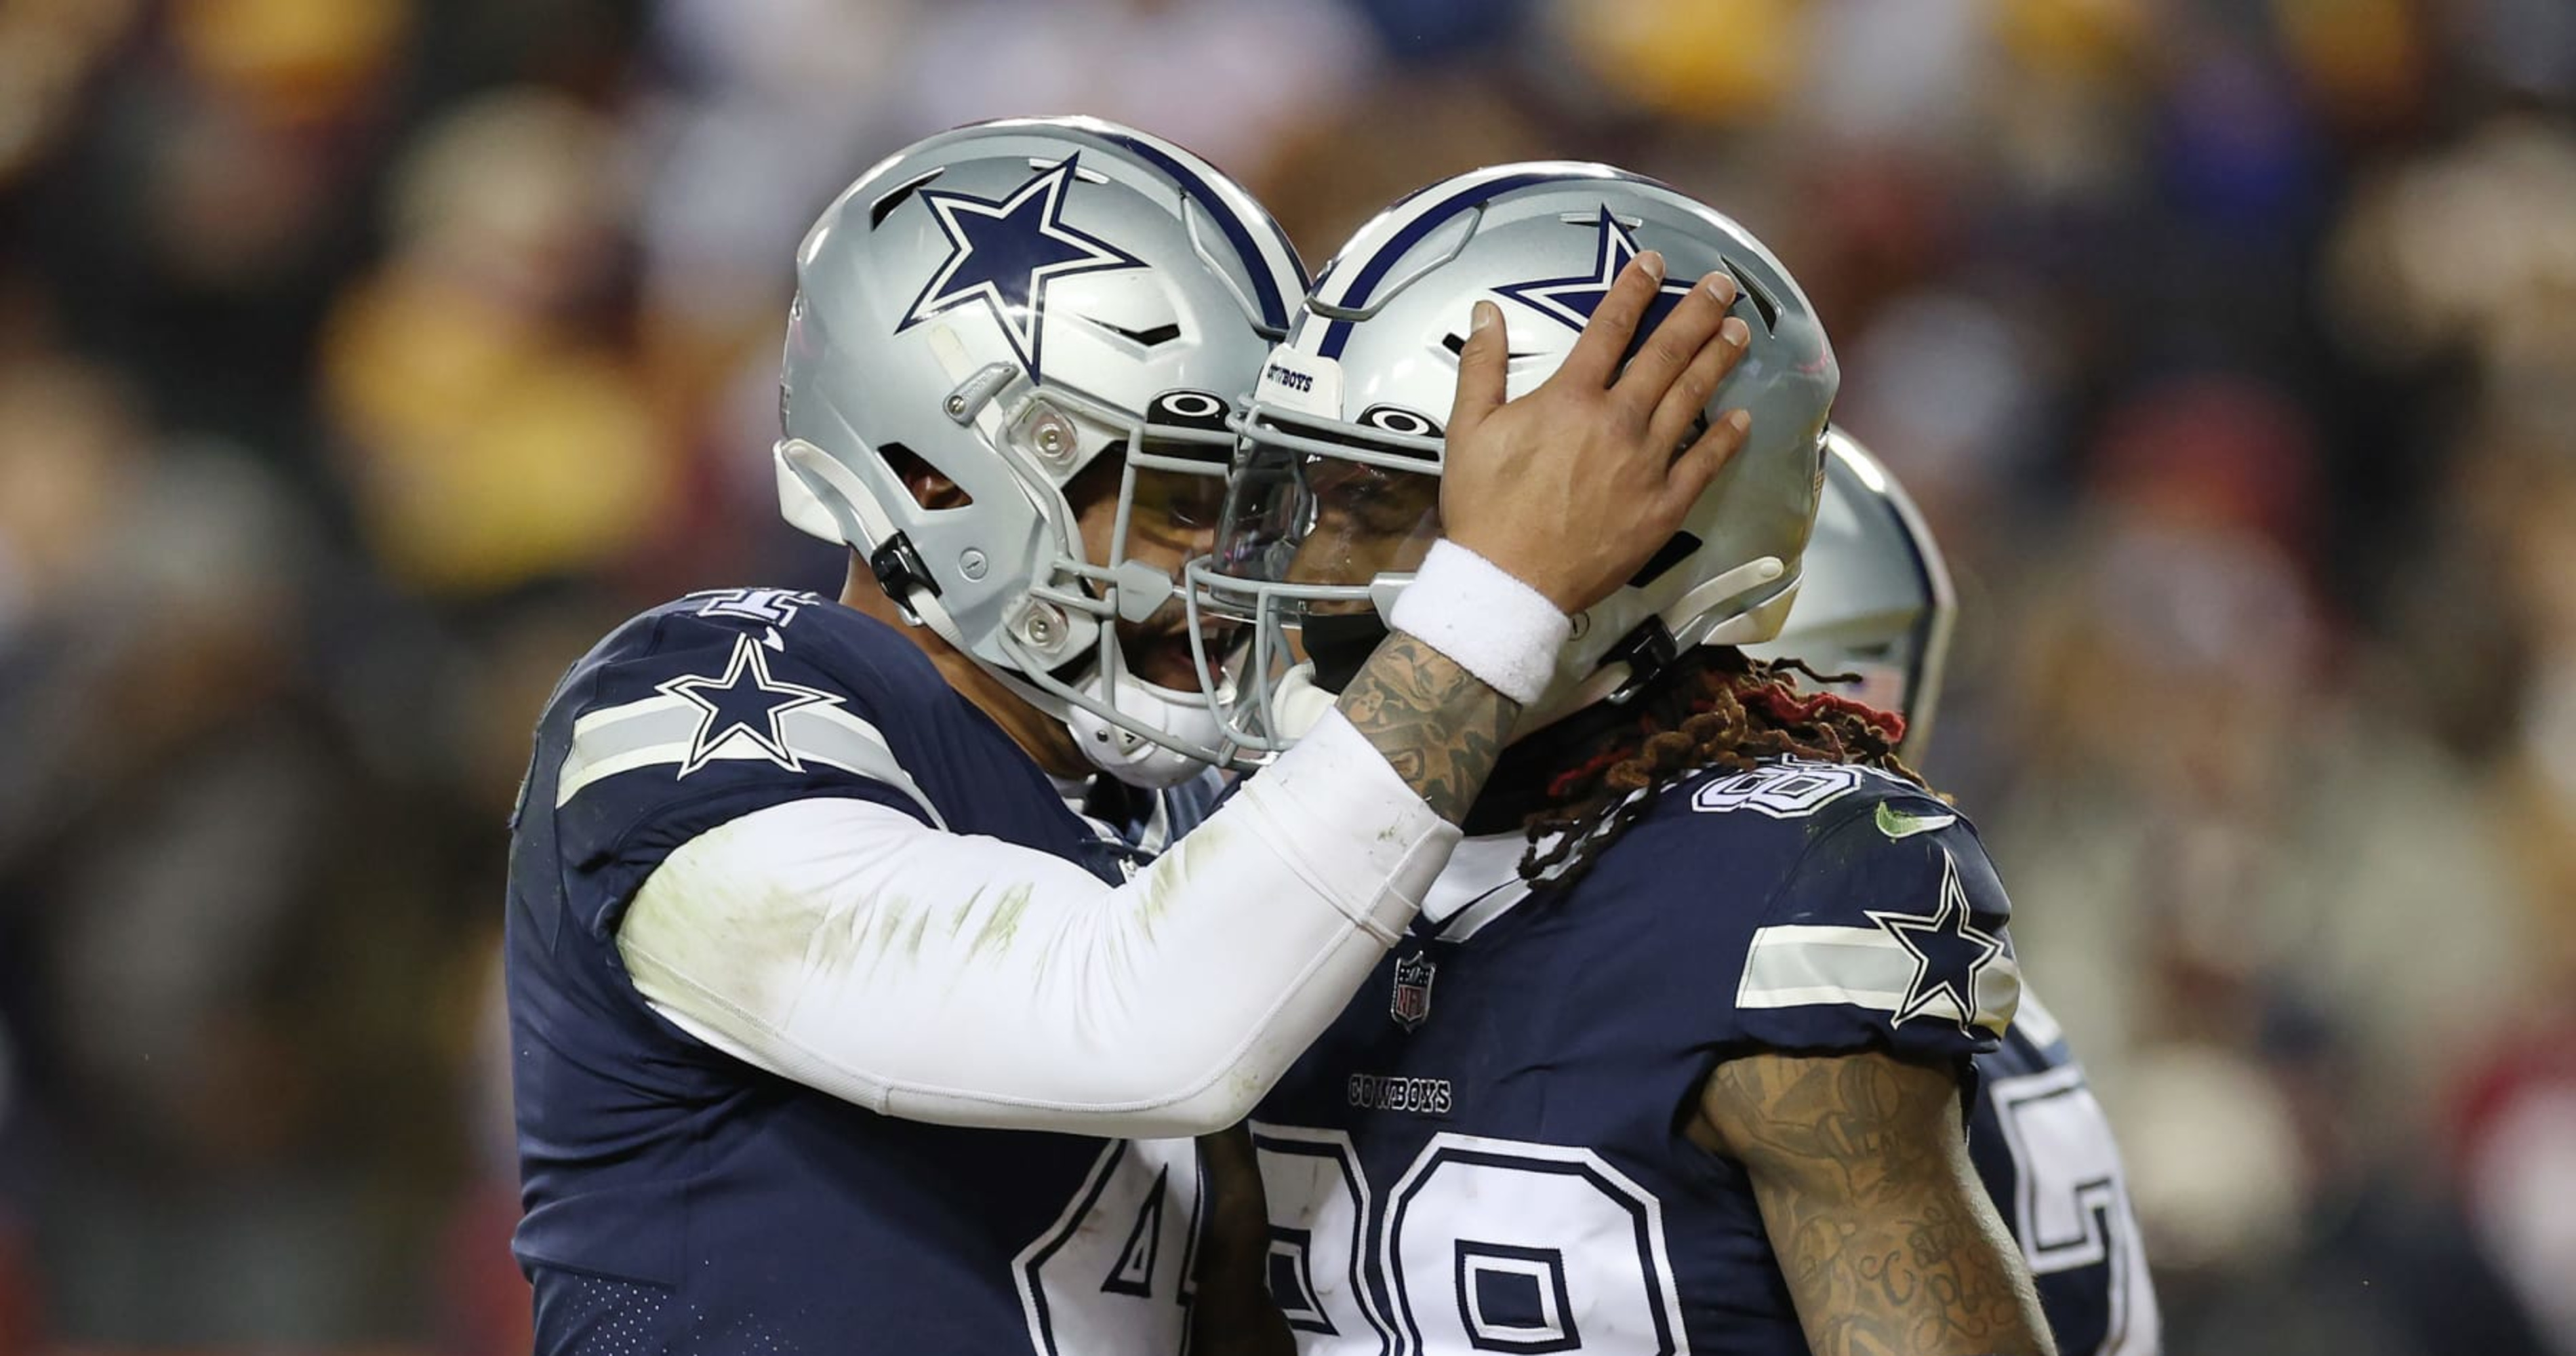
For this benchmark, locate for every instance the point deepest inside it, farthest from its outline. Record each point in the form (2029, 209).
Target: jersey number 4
(1482, 1245)
(1113, 1274)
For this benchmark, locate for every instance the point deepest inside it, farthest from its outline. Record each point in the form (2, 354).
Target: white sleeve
(965, 980)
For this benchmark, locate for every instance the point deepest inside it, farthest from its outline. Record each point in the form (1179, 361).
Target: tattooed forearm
(1887, 1240)
(1439, 726)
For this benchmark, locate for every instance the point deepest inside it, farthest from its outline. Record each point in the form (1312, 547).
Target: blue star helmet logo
(1002, 255)
(1950, 952)
(1573, 300)
(743, 701)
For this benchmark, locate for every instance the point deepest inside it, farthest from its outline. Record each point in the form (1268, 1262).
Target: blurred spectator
(1231, 79)
(492, 435)
(72, 448)
(233, 911)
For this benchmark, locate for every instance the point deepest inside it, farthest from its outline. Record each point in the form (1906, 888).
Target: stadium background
(362, 360)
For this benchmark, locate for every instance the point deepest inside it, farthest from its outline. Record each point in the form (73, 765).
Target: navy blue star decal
(1949, 951)
(744, 701)
(1003, 255)
(1573, 300)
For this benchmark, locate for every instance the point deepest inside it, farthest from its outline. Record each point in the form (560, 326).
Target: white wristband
(1492, 625)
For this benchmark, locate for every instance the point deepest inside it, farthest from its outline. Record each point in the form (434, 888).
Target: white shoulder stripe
(660, 731)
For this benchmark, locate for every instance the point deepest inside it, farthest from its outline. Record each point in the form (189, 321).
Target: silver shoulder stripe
(658, 731)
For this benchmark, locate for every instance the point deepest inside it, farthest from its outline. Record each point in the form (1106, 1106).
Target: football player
(1677, 1056)
(1874, 614)
(833, 1027)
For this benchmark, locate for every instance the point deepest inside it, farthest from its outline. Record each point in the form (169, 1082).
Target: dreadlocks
(1715, 707)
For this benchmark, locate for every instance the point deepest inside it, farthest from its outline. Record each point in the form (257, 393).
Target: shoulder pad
(727, 683)
(713, 707)
(1852, 909)
(1891, 925)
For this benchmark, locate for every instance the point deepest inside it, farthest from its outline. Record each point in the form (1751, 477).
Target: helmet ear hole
(929, 487)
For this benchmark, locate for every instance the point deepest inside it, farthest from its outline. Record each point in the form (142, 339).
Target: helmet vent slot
(1764, 304)
(1456, 343)
(884, 207)
(1151, 337)
(1674, 552)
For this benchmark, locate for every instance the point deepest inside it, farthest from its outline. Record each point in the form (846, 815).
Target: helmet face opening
(1301, 517)
(1324, 522)
(1163, 486)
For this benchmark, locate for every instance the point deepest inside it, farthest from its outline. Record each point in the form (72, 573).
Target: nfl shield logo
(1412, 1001)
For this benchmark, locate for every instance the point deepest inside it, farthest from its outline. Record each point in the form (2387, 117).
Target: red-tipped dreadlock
(1715, 707)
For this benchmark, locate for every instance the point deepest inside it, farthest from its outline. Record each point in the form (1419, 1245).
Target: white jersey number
(1483, 1245)
(1113, 1274)
(2071, 1200)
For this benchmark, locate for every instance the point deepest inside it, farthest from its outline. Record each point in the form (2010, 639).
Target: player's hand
(1573, 486)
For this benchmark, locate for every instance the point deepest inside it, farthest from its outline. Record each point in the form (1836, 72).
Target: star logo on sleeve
(1002, 255)
(743, 703)
(1573, 300)
(1950, 951)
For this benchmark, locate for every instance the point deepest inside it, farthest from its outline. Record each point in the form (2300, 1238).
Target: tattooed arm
(1888, 1241)
(1437, 726)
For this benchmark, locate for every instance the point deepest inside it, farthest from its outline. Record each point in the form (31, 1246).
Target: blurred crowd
(361, 361)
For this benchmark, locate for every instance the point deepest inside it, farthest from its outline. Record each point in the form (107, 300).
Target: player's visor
(1298, 517)
(1324, 524)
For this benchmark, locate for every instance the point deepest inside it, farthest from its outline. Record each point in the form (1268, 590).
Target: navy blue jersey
(1487, 1151)
(680, 1200)
(2042, 1145)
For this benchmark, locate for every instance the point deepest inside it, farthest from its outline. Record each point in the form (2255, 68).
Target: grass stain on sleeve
(1004, 924)
(920, 926)
(889, 920)
(1163, 883)
(957, 917)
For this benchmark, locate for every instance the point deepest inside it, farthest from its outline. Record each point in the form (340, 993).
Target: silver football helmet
(1334, 497)
(1877, 600)
(1004, 304)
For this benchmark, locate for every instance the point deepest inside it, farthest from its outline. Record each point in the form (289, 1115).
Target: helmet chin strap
(1129, 756)
(1297, 701)
(1687, 623)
